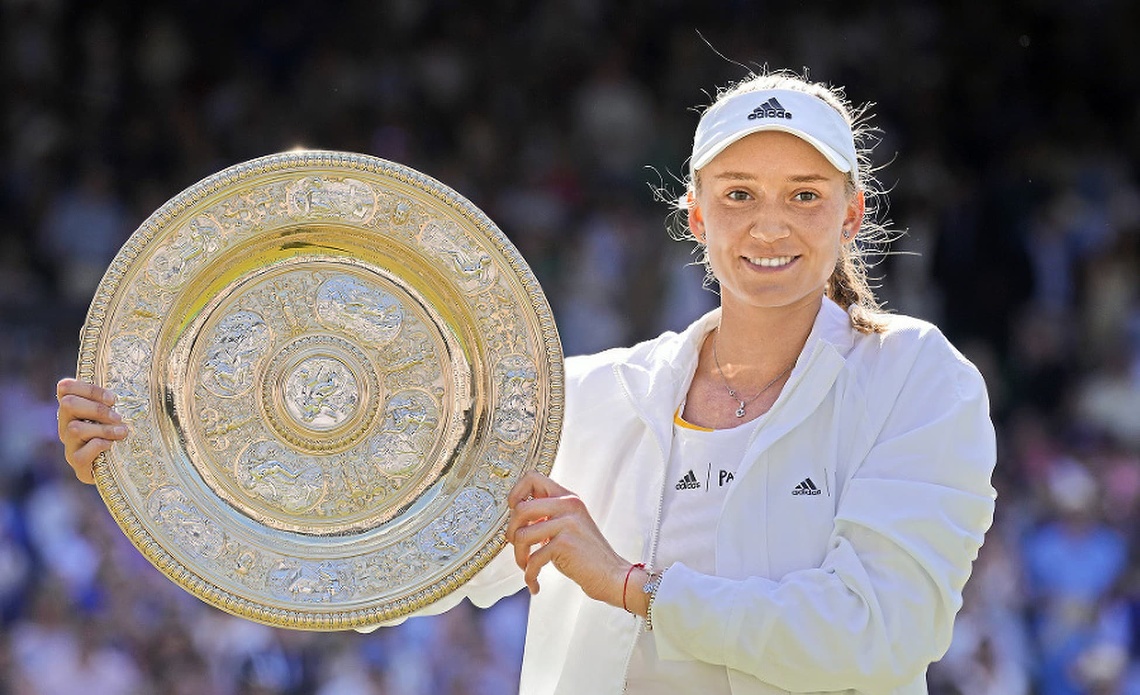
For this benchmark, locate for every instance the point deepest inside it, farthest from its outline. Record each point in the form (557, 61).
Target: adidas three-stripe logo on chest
(806, 487)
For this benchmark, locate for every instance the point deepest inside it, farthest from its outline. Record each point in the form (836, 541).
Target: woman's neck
(745, 362)
(756, 341)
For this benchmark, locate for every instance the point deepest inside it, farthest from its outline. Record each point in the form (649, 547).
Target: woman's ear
(853, 219)
(696, 218)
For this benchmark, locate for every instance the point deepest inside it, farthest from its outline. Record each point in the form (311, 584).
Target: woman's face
(772, 212)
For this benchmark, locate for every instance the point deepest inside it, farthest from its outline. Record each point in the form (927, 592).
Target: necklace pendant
(740, 410)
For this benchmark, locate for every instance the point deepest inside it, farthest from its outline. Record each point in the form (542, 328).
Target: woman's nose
(768, 226)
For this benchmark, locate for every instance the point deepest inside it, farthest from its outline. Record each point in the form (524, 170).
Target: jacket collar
(833, 327)
(657, 378)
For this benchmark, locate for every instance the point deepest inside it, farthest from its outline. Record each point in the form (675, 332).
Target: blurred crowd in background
(1010, 145)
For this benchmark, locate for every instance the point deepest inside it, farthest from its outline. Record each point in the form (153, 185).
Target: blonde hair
(849, 285)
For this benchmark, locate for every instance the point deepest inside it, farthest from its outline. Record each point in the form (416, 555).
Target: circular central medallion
(321, 393)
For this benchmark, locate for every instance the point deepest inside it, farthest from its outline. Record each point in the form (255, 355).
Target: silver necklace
(731, 391)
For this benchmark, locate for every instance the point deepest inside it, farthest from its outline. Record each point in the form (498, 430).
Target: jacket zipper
(652, 546)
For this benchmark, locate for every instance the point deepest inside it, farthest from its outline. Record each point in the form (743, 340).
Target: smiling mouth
(772, 261)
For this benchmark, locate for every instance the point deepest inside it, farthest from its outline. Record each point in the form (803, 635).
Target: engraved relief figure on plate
(321, 393)
(398, 565)
(235, 346)
(349, 305)
(400, 210)
(470, 265)
(245, 562)
(282, 479)
(128, 367)
(312, 582)
(185, 523)
(496, 471)
(355, 484)
(517, 381)
(148, 467)
(286, 302)
(411, 419)
(217, 424)
(411, 361)
(142, 311)
(345, 199)
(189, 247)
(254, 208)
(499, 319)
(459, 525)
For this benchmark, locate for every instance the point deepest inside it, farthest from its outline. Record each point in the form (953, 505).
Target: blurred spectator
(56, 655)
(614, 119)
(85, 226)
(1109, 399)
(15, 560)
(1072, 565)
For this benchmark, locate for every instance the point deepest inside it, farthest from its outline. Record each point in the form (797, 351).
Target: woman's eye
(737, 195)
(806, 196)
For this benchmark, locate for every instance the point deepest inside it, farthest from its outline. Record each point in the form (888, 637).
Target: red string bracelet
(625, 585)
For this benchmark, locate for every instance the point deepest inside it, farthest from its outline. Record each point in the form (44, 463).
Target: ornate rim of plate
(334, 369)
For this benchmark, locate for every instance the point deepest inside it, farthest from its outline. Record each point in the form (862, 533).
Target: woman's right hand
(87, 424)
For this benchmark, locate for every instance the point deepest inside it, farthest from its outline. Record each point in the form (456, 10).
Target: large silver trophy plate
(334, 369)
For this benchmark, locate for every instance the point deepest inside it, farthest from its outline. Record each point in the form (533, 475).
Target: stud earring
(846, 233)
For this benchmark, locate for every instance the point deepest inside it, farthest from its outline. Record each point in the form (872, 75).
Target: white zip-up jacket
(853, 590)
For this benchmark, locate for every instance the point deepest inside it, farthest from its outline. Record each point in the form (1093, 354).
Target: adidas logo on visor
(770, 109)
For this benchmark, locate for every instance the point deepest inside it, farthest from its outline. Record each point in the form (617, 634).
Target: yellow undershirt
(680, 421)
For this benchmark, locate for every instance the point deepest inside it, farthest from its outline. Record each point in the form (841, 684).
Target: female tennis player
(785, 497)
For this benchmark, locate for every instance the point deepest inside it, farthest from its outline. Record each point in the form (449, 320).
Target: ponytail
(848, 287)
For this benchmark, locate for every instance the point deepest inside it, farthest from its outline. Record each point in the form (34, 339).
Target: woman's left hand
(545, 514)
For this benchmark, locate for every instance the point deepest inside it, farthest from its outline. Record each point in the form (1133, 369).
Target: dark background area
(1010, 147)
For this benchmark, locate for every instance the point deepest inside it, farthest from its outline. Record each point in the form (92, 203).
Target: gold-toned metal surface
(334, 368)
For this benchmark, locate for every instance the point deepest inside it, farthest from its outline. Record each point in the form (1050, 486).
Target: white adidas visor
(801, 114)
